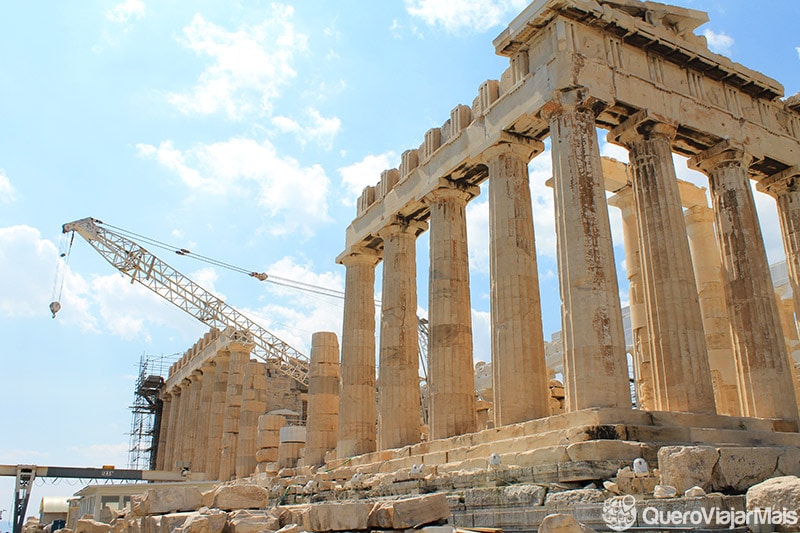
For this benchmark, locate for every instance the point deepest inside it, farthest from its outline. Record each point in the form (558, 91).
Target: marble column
(519, 373)
(451, 379)
(217, 414)
(711, 294)
(254, 404)
(239, 356)
(323, 397)
(595, 361)
(765, 380)
(682, 377)
(358, 410)
(182, 427)
(173, 441)
(399, 416)
(163, 430)
(192, 423)
(642, 363)
(202, 435)
(785, 188)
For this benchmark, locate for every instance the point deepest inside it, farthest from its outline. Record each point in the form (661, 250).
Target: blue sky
(243, 131)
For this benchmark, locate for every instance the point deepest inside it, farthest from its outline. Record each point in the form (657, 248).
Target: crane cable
(261, 276)
(64, 251)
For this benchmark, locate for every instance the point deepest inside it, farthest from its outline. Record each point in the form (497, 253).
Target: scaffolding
(146, 410)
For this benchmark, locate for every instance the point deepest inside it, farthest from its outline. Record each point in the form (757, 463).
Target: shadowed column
(682, 378)
(758, 342)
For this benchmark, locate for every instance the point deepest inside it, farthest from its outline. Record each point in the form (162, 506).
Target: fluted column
(173, 440)
(323, 397)
(182, 428)
(451, 382)
(193, 421)
(595, 364)
(711, 294)
(399, 417)
(163, 430)
(643, 365)
(682, 378)
(785, 188)
(217, 414)
(202, 435)
(358, 411)
(254, 404)
(758, 343)
(519, 373)
(239, 356)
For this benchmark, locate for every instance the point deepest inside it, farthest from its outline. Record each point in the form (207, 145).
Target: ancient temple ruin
(711, 361)
(638, 71)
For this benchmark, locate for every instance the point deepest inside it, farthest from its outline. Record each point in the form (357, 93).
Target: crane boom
(144, 267)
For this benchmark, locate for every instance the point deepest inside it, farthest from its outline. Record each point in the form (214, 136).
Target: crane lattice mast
(144, 267)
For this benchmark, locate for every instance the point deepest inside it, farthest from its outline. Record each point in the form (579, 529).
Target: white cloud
(296, 195)
(317, 128)
(7, 194)
(719, 43)
(540, 170)
(798, 51)
(29, 265)
(464, 15)
(293, 315)
(249, 66)
(366, 172)
(123, 12)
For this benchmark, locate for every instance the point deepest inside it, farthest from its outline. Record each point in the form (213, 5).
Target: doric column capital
(522, 147)
(450, 190)
(698, 214)
(783, 182)
(721, 155)
(574, 99)
(360, 255)
(623, 200)
(402, 225)
(642, 125)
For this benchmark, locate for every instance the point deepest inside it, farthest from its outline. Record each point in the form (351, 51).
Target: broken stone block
(694, 492)
(409, 512)
(570, 498)
(292, 514)
(244, 496)
(500, 496)
(251, 521)
(336, 516)
(213, 522)
(789, 462)
(742, 467)
(562, 523)
(665, 491)
(684, 467)
(630, 482)
(90, 525)
(165, 500)
(775, 493)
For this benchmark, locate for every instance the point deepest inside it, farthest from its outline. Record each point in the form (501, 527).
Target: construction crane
(141, 266)
(118, 247)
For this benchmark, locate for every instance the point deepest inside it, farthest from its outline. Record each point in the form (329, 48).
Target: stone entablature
(711, 98)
